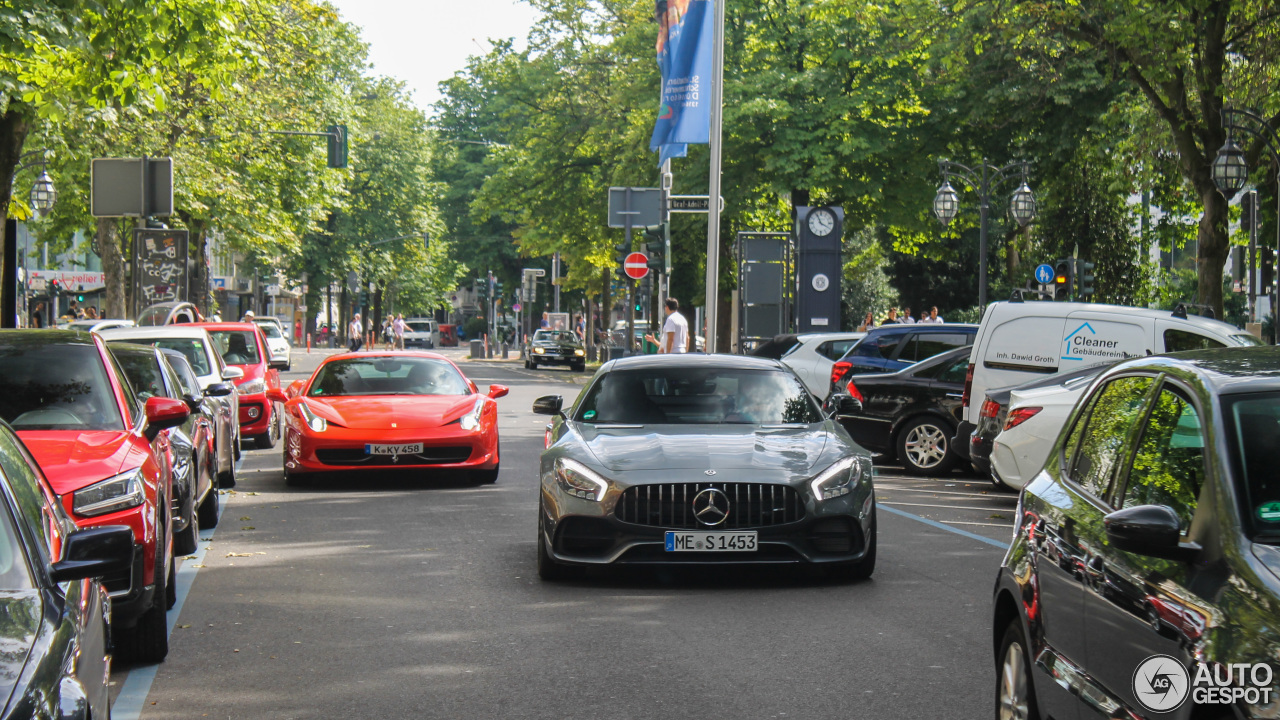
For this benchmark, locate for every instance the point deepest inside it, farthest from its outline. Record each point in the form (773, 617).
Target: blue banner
(685, 36)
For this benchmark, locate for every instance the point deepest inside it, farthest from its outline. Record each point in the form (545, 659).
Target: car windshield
(698, 396)
(554, 336)
(418, 326)
(191, 348)
(56, 387)
(388, 376)
(1254, 426)
(270, 330)
(237, 347)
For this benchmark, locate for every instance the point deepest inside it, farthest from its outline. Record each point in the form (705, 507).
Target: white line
(957, 522)
(880, 487)
(949, 507)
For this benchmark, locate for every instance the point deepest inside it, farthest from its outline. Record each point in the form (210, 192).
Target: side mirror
(162, 413)
(497, 391)
(232, 373)
(220, 389)
(294, 389)
(277, 395)
(279, 363)
(840, 405)
(1152, 530)
(93, 553)
(192, 402)
(548, 405)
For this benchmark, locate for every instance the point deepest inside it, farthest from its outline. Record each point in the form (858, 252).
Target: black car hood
(20, 615)
(1269, 555)
(794, 449)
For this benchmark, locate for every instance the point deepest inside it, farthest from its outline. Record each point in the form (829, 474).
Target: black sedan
(701, 459)
(53, 626)
(911, 414)
(555, 347)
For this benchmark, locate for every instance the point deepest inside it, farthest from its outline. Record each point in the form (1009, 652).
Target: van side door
(1094, 338)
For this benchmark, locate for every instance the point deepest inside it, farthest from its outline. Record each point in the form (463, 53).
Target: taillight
(839, 370)
(968, 386)
(990, 408)
(853, 392)
(1020, 415)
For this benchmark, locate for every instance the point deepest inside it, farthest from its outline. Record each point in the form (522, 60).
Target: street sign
(131, 187)
(159, 266)
(1044, 273)
(516, 307)
(636, 266)
(643, 206)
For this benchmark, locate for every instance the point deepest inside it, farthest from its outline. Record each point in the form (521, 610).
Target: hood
(256, 371)
(724, 447)
(365, 412)
(20, 614)
(1269, 555)
(75, 459)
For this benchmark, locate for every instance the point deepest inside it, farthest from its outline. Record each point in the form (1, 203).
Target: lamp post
(984, 178)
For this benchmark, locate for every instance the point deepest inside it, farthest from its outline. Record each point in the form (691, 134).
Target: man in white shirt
(932, 317)
(675, 331)
(906, 318)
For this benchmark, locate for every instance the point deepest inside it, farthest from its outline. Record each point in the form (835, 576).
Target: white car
(1035, 418)
(421, 333)
(277, 344)
(813, 355)
(202, 354)
(97, 325)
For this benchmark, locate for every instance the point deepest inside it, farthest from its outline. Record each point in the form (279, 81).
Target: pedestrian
(355, 334)
(892, 319)
(675, 331)
(388, 334)
(868, 323)
(581, 328)
(398, 326)
(933, 317)
(906, 318)
(37, 316)
(91, 313)
(546, 321)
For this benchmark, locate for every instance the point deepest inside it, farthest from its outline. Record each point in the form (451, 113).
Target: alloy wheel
(1013, 685)
(926, 446)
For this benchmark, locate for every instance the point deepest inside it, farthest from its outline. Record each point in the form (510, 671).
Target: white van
(1019, 341)
(421, 333)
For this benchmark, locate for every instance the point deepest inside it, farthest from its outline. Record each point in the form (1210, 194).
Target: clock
(821, 221)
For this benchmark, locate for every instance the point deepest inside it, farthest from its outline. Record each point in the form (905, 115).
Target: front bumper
(130, 595)
(255, 414)
(960, 443)
(340, 449)
(557, 359)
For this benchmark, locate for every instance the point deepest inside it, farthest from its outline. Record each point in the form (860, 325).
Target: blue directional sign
(1044, 273)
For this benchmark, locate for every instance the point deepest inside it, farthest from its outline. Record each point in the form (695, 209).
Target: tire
(528, 365)
(171, 588)
(207, 511)
(1015, 693)
(533, 364)
(227, 480)
(148, 641)
(862, 569)
(238, 441)
(267, 440)
(580, 367)
(485, 477)
(184, 541)
(548, 569)
(924, 447)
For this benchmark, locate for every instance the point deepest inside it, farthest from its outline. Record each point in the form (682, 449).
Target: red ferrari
(390, 411)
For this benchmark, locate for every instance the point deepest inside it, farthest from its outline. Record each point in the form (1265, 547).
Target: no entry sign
(636, 265)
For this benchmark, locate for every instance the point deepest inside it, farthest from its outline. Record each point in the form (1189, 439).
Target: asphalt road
(418, 597)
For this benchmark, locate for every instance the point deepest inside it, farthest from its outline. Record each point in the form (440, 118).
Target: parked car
(153, 372)
(57, 642)
(105, 455)
(1148, 547)
(169, 313)
(814, 354)
(555, 347)
(995, 411)
(910, 414)
(96, 325)
(242, 346)
(1022, 341)
(277, 344)
(890, 348)
(216, 383)
(386, 410)
(1034, 419)
(421, 333)
(629, 475)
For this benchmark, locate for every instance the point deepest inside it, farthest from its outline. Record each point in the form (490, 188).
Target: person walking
(868, 323)
(906, 318)
(388, 333)
(248, 316)
(933, 317)
(355, 334)
(892, 319)
(398, 326)
(675, 331)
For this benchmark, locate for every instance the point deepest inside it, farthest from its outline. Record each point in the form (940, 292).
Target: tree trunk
(1212, 248)
(14, 125)
(106, 242)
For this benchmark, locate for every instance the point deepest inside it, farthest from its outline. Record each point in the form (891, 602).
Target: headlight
(121, 492)
(471, 421)
(580, 481)
(538, 351)
(314, 421)
(253, 387)
(839, 479)
(579, 353)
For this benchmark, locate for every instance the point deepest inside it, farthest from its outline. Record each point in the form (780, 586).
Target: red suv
(242, 345)
(106, 456)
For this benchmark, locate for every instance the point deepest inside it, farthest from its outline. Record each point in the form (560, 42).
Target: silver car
(702, 459)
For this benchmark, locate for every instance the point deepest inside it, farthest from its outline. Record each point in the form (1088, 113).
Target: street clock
(821, 221)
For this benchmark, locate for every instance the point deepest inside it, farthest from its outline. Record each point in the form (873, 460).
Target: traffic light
(55, 286)
(655, 248)
(1064, 279)
(1248, 210)
(1268, 270)
(337, 146)
(620, 253)
(480, 287)
(497, 289)
(1085, 277)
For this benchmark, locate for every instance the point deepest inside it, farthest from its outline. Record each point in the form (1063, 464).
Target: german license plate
(410, 449)
(711, 541)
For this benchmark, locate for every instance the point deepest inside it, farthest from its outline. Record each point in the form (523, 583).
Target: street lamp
(1230, 169)
(43, 194)
(984, 178)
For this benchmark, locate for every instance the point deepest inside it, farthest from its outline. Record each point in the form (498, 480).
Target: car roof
(1063, 309)
(1221, 370)
(219, 325)
(40, 337)
(185, 330)
(693, 360)
(822, 337)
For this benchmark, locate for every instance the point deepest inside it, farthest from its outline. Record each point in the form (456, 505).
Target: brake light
(839, 370)
(854, 393)
(1020, 415)
(990, 408)
(968, 386)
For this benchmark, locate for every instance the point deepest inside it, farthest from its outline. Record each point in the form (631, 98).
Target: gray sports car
(702, 459)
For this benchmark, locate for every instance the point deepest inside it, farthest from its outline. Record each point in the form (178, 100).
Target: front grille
(429, 456)
(670, 505)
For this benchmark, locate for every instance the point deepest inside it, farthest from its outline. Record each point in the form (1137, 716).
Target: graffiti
(159, 266)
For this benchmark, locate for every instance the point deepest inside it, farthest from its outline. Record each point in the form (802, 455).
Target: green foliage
(865, 285)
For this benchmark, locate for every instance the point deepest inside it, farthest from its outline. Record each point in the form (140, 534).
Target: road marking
(961, 522)
(133, 695)
(881, 486)
(950, 507)
(948, 528)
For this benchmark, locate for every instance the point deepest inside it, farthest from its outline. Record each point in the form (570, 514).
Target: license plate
(410, 449)
(711, 541)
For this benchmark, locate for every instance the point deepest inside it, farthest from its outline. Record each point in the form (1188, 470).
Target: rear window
(1179, 340)
(270, 330)
(192, 349)
(925, 345)
(237, 347)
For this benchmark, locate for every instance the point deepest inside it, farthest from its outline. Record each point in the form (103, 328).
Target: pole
(985, 209)
(555, 278)
(1253, 256)
(665, 181)
(713, 199)
(631, 284)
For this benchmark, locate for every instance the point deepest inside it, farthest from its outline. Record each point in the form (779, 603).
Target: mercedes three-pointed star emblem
(711, 507)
